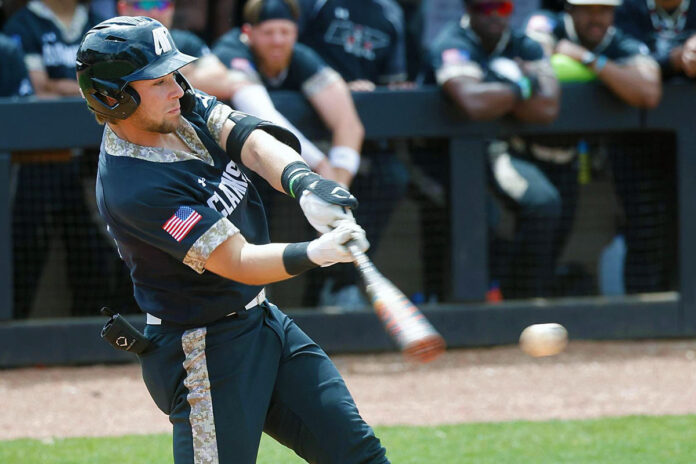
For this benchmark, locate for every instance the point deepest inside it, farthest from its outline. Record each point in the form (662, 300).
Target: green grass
(629, 440)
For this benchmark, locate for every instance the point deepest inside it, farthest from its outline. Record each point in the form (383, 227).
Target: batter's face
(592, 22)
(489, 18)
(161, 10)
(272, 42)
(159, 110)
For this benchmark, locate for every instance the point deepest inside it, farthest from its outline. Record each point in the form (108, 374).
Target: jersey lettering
(162, 42)
(233, 186)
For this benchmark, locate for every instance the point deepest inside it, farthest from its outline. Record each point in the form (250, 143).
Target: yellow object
(570, 70)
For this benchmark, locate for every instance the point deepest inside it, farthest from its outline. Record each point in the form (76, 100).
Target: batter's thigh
(312, 411)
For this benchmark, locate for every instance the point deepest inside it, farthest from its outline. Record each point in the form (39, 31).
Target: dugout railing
(51, 124)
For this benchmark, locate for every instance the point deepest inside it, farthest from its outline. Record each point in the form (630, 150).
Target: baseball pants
(225, 383)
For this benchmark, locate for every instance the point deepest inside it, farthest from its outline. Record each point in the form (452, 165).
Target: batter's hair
(252, 10)
(104, 119)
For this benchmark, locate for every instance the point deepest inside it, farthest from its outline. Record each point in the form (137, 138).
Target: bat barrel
(425, 349)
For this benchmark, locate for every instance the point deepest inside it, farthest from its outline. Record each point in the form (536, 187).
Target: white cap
(595, 2)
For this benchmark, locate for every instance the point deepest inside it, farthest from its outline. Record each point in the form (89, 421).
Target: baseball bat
(404, 322)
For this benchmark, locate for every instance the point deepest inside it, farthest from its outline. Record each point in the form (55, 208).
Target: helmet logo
(162, 41)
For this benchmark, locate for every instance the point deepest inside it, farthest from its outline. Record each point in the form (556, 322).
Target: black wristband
(291, 175)
(296, 260)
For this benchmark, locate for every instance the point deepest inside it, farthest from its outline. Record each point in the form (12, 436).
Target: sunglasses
(503, 8)
(152, 4)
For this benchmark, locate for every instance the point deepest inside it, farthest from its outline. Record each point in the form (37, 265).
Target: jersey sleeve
(236, 56)
(450, 61)
(542, 26)
(311, 70)
(628, 49)
(530, 50)
(166, 219)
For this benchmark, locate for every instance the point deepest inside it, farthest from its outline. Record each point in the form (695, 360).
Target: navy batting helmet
(121, 50)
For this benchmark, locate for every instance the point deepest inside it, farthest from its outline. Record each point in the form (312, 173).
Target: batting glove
(331, 248)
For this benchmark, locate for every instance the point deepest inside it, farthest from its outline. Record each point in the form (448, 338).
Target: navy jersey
(14, 80)
(457, 52)
(189, 43)
(360, 39)
(656, 28)
(48, 45)
(306, 71)
(617, 46)
(168, 210)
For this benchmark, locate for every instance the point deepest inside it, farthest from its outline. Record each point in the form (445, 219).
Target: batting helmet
(121, 50)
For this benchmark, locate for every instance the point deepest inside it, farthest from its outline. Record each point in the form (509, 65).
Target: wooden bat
(404, 322)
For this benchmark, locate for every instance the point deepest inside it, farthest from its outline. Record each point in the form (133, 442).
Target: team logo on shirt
(231, 190)
(160, 37)
(356, 39)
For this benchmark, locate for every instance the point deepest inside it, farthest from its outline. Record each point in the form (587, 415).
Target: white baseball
(543, 339)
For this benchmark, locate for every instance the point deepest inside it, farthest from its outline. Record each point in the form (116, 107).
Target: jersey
(656, 28)
(47, 44)
(457, 52)
(306, 72)
(615, 45)
(14, 80)
(189, 43)
(359, 39)
(168, 210)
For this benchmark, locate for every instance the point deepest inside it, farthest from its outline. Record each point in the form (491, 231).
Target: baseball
(543, 339)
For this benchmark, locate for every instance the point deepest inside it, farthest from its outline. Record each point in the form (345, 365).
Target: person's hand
(361, 85)
(568, 48)
(327, 204)
(509, 71)
(330, 248)
(688, 57)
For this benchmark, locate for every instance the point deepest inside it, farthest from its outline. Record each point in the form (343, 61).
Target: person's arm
(44, 86)
(637, 81)
(334, 105)
(238, 260)
(481, 101)
(544, 105)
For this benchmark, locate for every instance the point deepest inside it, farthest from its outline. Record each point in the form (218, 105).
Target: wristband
(292, 173)
(524, 88)
(345, 158)
(296, 260)
(600, 63)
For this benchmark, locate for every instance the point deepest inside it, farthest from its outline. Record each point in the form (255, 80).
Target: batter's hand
(330, 248)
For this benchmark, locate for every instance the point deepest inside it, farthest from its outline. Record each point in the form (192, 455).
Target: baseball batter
(224, 363)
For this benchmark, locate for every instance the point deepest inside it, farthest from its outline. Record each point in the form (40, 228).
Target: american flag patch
(455, 56)
(181, 223)
(241, 64)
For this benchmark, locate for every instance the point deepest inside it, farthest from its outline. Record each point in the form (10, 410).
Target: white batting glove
(322, 214)
(330, 247)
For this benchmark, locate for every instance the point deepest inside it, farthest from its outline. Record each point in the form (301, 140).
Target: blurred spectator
(587, 46)
(364, 42)
(264, 55)
(207, 73)
(49, 203)
(585, 34)
(14, 79)
(668, 27)
(489, 71)
(49, 32)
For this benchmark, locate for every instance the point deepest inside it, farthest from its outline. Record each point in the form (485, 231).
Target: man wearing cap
(585, 33)
(668, 27)
(586, 36)
(264, 55)
(206, 73)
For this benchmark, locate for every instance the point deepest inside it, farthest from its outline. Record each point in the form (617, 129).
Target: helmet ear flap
(188, 101)
(108, 99)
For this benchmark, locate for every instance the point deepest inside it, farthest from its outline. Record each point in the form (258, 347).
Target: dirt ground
(590, 379)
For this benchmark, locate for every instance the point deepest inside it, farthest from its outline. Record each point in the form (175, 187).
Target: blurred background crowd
(568, 214)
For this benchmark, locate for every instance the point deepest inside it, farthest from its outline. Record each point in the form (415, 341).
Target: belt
(257, 300)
